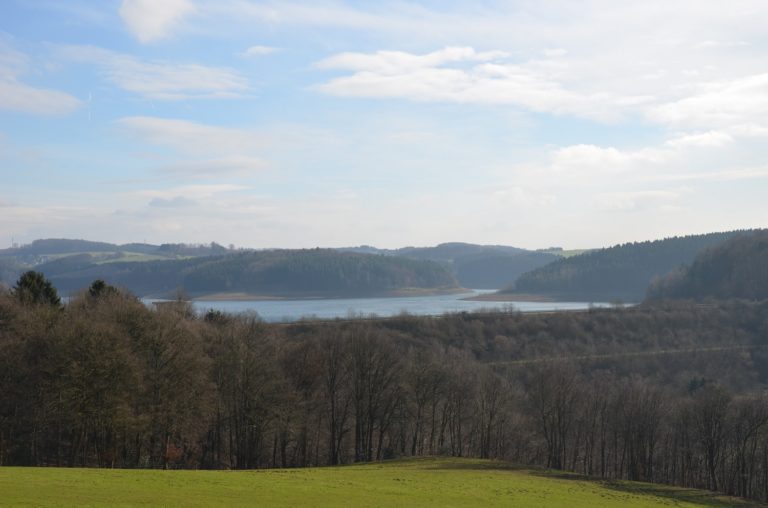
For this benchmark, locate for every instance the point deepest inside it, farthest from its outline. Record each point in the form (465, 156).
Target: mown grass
(568, 253)
(420, 483)
(135, 257)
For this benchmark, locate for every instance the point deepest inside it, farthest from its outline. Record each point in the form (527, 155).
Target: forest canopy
(737, 268)
(625, 393)
(307, 272)
(622, 272)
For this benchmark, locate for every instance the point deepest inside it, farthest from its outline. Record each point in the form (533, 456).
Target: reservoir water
(294, 310)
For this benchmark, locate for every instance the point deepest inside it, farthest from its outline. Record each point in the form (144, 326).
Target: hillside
(417, 483)
(737, 268)
(475, 266)
(622, 272)
(316, 272)
(63, 246)
(78, 253)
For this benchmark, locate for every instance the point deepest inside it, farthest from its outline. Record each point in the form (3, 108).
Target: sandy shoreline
(400, 293)
(509, 297)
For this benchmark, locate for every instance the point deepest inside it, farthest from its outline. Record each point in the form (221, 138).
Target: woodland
(668, 391)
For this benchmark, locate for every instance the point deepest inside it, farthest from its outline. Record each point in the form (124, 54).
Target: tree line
(275, 272)
(105, 381)
(622, 272)
(737, 268)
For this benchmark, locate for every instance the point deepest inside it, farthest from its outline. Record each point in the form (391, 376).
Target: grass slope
(420, 483)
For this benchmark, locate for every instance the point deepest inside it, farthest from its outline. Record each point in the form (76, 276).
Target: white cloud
(191, 192)
(26, 217)
(581, 160)
(694, 157)
(176, 202)
(464, 75)
(160, 80)
(191, 137)
(718, 104)
(710, 138)
(200, 150)
(637, 200)
(392, 63)
(658, 55)
(313, 13)
(16, 95)
(515, 196)
(721, 44)
(234, 166)
(727, 175)
(151, 20)
(749, 130)
(555, 52)
(260, 50)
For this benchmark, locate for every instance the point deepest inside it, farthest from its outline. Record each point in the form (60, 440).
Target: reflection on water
(293, 310)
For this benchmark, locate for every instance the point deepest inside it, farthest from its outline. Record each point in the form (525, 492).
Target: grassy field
(421, 483)
(99, 257)
(136, 257)
(568, 253)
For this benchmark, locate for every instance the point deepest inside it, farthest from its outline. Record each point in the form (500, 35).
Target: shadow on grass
(669, 492)
(456, 464)
(679, 494)
(674, 494)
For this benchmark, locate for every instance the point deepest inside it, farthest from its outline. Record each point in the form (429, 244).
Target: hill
(475, 266)
(62, 246)
(737, 268)
(73, 253)
(315, 272)
(622, 272)
(417, 483)
(49, 246)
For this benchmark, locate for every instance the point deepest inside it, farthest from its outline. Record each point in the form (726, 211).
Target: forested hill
(622, 272)
(475, 266)
(315, 272)
(737, 268)
(48, 246)
(52, 248)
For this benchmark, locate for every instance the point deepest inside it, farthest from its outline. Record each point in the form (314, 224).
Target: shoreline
(398, 293)
(510, 297)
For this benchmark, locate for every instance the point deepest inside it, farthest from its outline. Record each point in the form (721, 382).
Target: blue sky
(302, 124)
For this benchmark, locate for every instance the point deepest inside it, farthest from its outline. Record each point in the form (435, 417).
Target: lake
(277, 311)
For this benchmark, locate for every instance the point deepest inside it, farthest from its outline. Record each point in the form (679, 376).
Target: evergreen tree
(33, 288)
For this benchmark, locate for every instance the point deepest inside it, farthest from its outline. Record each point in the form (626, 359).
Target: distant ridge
(622, 272)
(475, 266)
(737, 268)
(62, 246)
(295, 273)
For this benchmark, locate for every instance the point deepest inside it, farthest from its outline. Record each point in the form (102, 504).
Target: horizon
(232, 246)
(298, 124)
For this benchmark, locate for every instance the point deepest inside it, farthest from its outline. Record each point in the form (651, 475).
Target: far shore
(399, 293)
(237, 297)
(509, 297)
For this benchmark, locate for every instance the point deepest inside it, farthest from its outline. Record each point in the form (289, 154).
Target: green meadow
(427, 483)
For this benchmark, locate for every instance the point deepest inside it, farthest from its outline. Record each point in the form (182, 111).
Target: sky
(329, 123)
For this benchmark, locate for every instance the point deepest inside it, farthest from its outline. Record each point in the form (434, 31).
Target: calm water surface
(294, 310)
